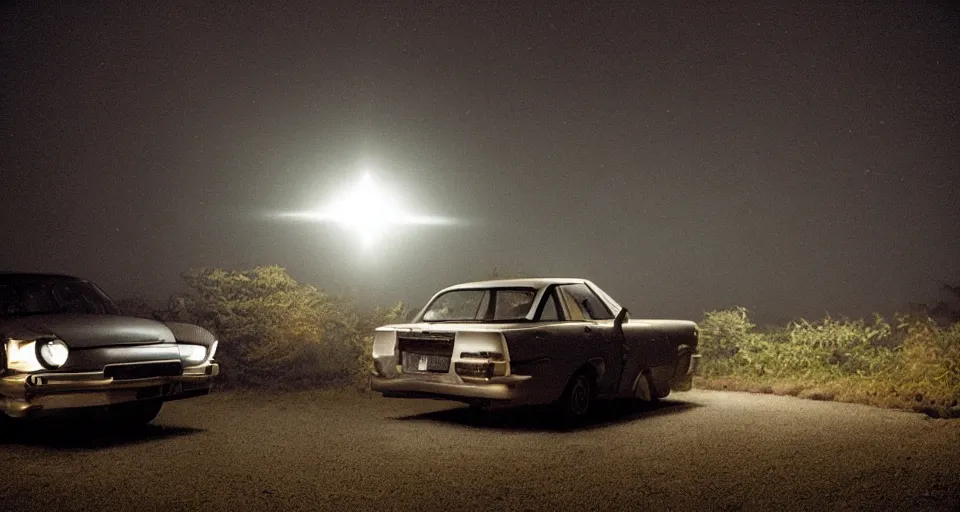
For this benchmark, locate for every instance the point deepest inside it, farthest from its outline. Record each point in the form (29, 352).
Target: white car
(529, 342)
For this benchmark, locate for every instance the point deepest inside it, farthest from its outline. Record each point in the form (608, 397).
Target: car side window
(582, 299)
(513, 304)
(574, 313)
(550, 310)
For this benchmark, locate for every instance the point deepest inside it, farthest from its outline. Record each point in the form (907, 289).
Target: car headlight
(36, 355)
(192, 353)
(53, 353)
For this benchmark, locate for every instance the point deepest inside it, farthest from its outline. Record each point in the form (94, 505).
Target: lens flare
(368, 211)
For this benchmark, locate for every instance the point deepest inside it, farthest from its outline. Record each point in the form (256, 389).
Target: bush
(914, 363)
(724, 336)
(275, 332)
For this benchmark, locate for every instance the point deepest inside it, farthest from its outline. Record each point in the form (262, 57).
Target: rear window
(481, 305)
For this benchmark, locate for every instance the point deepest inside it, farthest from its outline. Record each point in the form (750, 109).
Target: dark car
(66, 346)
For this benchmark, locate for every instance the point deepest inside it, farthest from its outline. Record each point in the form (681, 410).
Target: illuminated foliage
(912, 363)
(275, 332)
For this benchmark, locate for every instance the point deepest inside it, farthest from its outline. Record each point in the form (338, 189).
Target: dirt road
(700, 450)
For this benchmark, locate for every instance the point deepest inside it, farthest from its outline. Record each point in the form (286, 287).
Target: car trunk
(425, 353)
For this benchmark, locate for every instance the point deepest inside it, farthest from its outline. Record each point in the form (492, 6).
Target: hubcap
(580, 396)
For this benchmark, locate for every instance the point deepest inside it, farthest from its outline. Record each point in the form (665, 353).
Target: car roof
(529, 282)
(7, 277)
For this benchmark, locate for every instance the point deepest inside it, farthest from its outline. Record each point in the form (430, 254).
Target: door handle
(587, 329)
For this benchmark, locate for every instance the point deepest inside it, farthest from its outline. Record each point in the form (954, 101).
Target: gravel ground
(701, 450)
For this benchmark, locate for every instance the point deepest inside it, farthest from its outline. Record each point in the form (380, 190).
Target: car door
(596, 333)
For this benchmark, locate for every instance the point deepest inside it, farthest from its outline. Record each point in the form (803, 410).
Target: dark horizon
(794, 159)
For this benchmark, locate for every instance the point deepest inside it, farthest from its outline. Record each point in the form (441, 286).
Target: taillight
(492, 356)
(481, 365)
(482, 370)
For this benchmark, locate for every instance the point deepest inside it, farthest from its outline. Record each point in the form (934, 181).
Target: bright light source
(192, 353)
(368, 211)
(22, 356)
(54, 353)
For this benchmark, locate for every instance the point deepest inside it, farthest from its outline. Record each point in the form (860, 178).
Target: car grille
(425, 352)
(143, 370)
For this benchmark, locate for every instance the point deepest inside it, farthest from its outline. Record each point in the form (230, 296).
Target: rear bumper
(24, 395)
(694, 365)
(506, 390)
(683, 377)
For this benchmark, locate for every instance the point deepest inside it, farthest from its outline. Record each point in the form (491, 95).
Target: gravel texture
(701, 450)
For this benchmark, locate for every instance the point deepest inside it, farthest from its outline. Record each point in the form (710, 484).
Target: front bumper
(496, 389)
(24, 395)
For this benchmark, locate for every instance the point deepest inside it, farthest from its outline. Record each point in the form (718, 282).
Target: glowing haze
(368, 211)
(796, 158)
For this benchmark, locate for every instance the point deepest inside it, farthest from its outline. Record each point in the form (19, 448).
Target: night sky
(794, 159)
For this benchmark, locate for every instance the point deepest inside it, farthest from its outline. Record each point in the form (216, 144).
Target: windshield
(481, 305)
(53, 298)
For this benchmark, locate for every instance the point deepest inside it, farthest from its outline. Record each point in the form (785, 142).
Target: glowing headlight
(192, 353)
(53, 353)
(22, 356)
(36, 355)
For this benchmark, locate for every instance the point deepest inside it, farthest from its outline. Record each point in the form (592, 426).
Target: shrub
(275, 332)
(914, 363)
(724, 334)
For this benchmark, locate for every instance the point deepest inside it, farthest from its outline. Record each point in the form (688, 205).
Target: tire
(578, 398)
(134, 413)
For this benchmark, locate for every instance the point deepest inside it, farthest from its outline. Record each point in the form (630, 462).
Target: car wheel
(578, 398)
(134, 413)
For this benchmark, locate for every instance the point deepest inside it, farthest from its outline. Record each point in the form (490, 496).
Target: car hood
(88, 331)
